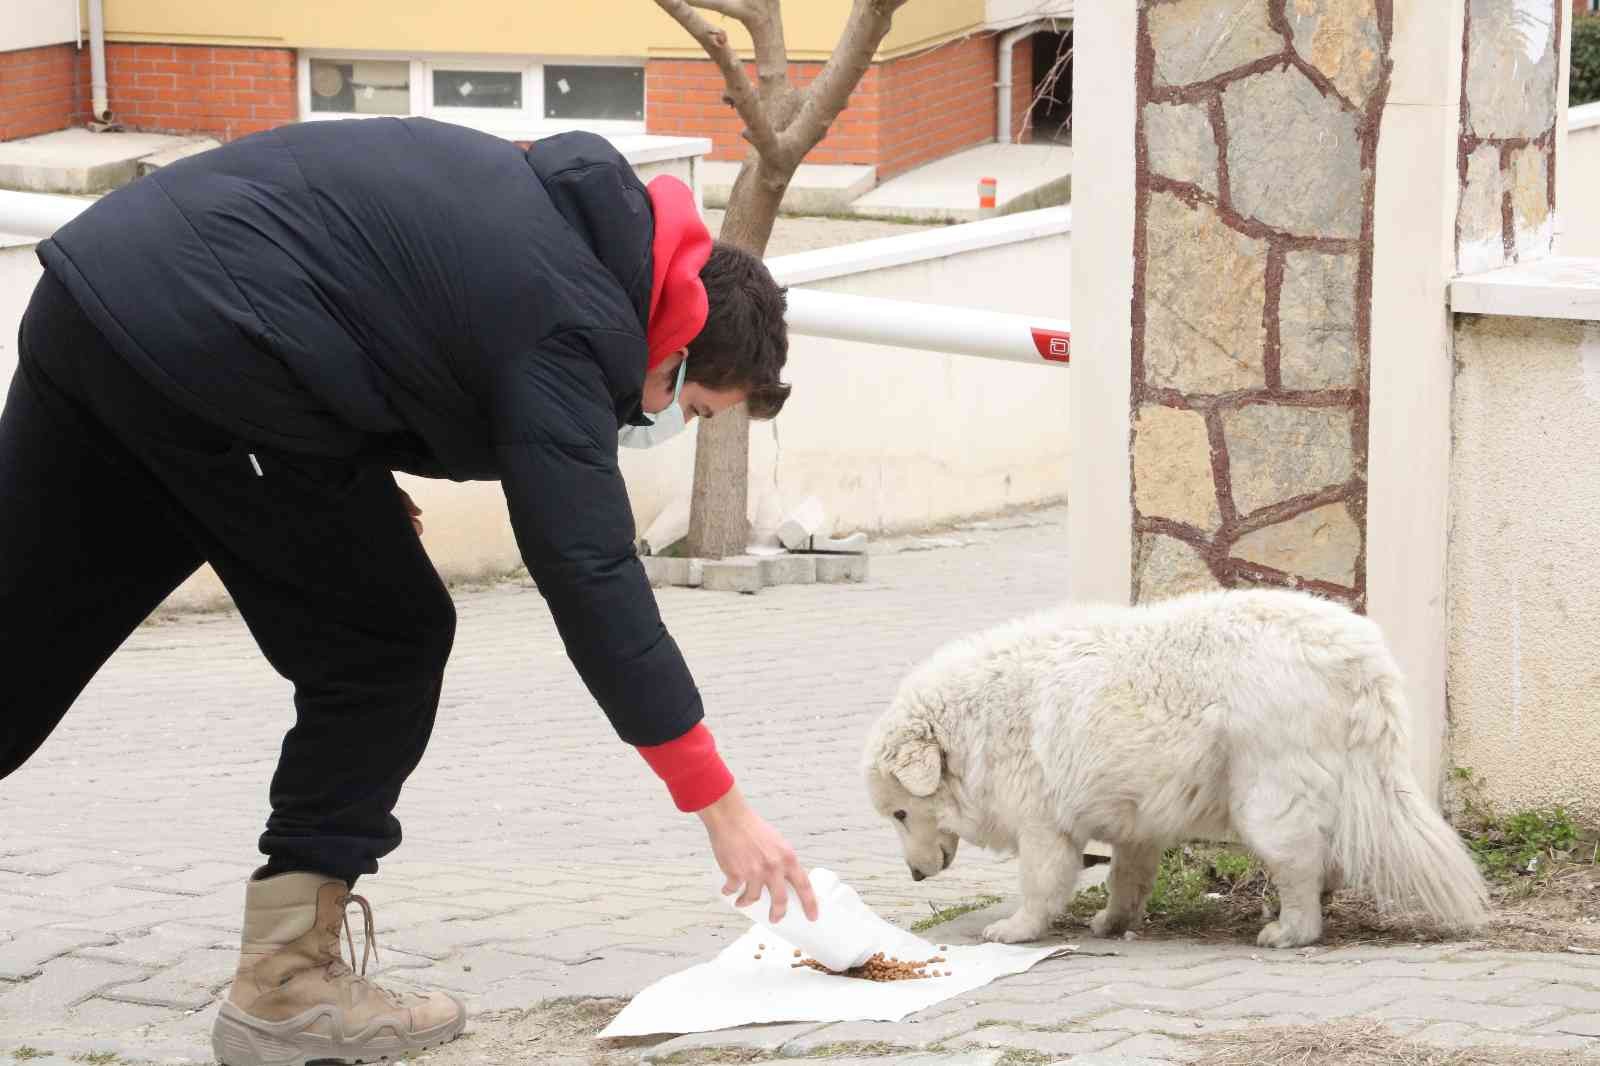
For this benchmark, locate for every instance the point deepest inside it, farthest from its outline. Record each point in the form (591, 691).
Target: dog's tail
(1389, 840)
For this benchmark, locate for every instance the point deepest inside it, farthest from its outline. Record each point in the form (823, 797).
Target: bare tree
(782, 123)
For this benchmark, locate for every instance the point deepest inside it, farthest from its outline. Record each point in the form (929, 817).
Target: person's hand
(755, 856)
(413, 510)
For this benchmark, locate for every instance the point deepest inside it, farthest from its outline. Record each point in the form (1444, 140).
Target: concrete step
(79, 162)
(816, 189)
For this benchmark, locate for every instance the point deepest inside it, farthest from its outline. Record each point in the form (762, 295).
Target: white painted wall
(35, 23)
(888, 438)
(1524, 575)
(1577, 178)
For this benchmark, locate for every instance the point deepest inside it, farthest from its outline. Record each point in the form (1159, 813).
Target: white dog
(1273, 715)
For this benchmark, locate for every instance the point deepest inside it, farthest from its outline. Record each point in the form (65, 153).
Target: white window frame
(304, 82)
(528, 123)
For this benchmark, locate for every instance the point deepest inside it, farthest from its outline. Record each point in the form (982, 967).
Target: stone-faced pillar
(1508, 131)
(1256, 141)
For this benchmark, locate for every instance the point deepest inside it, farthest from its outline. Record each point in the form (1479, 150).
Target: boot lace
(369, 948)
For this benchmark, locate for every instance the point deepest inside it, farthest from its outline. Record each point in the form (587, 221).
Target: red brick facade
(220, 92)
(38, 90)
(905, 112)
(684, 98)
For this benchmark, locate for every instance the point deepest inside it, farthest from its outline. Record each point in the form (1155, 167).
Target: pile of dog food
(877, 968)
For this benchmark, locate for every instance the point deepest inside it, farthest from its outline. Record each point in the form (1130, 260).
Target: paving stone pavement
(543, 860)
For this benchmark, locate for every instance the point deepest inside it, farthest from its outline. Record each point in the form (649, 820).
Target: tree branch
(741, 94)
(772, 53)
(868, 25)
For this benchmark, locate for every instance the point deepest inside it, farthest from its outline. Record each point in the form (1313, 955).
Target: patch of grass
(873, 1050)
(24, 1053)
(1526, 843)
(96, 1058)
(1023, 1057)
(1199, 887)
(951, 913)
(1087, 904)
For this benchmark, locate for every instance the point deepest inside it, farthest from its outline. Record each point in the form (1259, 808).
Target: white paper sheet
(737, 989)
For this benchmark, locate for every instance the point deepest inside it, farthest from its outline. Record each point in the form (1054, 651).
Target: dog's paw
(1280, 935)
(1017, 929)
(1104, 924)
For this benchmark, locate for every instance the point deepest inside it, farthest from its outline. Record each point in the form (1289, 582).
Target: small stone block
(789, 570)
(665, 572)
(739, 574)
(841, 569)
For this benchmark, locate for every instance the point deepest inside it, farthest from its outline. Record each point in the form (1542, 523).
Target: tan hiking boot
(295, 999)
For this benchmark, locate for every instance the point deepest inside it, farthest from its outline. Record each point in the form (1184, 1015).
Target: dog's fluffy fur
(1272, 715)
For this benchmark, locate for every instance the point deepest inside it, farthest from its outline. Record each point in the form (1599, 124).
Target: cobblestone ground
(542, 859)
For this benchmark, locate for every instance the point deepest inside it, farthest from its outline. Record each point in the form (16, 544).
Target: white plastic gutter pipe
(956, 330)
(32, 214)
(1002, 84)
(97, 60)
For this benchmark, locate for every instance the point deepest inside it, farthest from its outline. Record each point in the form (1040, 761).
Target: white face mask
(663, 426)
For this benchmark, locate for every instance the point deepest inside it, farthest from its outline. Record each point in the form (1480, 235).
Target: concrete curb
(750, 574)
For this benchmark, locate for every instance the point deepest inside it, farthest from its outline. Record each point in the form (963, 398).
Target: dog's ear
(916, 762)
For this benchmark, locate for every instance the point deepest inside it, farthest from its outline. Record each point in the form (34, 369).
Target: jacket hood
(681, 246)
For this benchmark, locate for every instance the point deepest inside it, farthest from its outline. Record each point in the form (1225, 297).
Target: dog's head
(905, 770)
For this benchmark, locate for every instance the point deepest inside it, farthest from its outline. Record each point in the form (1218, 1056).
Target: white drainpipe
(97, 60)
(1002, 108)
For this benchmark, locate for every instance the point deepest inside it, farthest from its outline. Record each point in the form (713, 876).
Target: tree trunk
(719, 524)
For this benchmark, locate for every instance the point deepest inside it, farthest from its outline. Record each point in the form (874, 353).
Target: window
(606, 93)
(361, 86)
(498, 89)
(517, 99)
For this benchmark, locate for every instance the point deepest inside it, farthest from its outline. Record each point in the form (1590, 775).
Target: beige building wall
(1524, 572)
(618, 28)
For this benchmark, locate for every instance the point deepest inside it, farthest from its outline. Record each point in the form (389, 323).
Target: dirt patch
(557, 1033)
(1361, 1045)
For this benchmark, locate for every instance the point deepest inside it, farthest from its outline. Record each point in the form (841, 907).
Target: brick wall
(37, 90)
(684, 97)
(1021, 89)
(220, 92)
(903, 113)
(936, 103)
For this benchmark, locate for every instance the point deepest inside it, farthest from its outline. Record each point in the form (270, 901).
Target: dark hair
(745, 341)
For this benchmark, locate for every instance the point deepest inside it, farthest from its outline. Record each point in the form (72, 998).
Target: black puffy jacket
(427, 295)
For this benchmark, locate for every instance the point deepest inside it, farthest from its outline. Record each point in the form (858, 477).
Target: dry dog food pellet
(879, 968)
(798, 953)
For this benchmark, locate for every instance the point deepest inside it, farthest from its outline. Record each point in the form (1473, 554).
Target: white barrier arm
(32, 214)
(957, 330)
